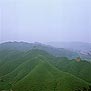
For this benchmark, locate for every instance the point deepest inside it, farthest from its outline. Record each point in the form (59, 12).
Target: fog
(45, 20)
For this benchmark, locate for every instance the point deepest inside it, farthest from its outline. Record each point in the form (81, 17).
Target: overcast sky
(45, 20)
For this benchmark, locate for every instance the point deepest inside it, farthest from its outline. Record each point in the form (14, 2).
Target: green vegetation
(36, 70)
(80, 69)
(45, 77)
(4, 85)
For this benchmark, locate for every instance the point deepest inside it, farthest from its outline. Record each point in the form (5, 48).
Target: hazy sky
(45, 20)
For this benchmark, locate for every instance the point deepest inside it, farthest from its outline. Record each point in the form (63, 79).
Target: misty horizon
(45, 21)
(47, 43)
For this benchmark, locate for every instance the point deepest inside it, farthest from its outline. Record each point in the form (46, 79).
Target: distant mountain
(36, 70)
(72, 45)
(23, 47)
(83, 49)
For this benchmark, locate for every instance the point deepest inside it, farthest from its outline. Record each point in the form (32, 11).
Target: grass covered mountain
(23, 46)
(38, 74)
(45, 77)
(81, 69)
(23, 69)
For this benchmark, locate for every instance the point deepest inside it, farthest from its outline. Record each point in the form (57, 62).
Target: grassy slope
(23, 67)
(12, 60)
(45, 77)
(80, 69)
(21, 71)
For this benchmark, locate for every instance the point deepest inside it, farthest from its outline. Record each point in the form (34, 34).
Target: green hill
(39, 75)
(47, 78)
(22, 70)
(37, 70)
(80, 69)
(13, 60)
(24, 47)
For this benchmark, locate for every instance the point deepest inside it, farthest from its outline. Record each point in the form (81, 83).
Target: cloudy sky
(45, 20)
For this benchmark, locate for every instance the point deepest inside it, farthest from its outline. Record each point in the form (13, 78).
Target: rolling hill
(81, 69)
(36, 69)
(39, 75)
(24, 47)
(45, 77)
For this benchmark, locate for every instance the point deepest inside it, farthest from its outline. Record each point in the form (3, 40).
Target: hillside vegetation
(38, 70)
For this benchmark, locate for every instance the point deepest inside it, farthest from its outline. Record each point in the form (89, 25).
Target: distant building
(78, 59)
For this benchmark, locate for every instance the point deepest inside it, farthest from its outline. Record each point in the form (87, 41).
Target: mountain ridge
(38, 70)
